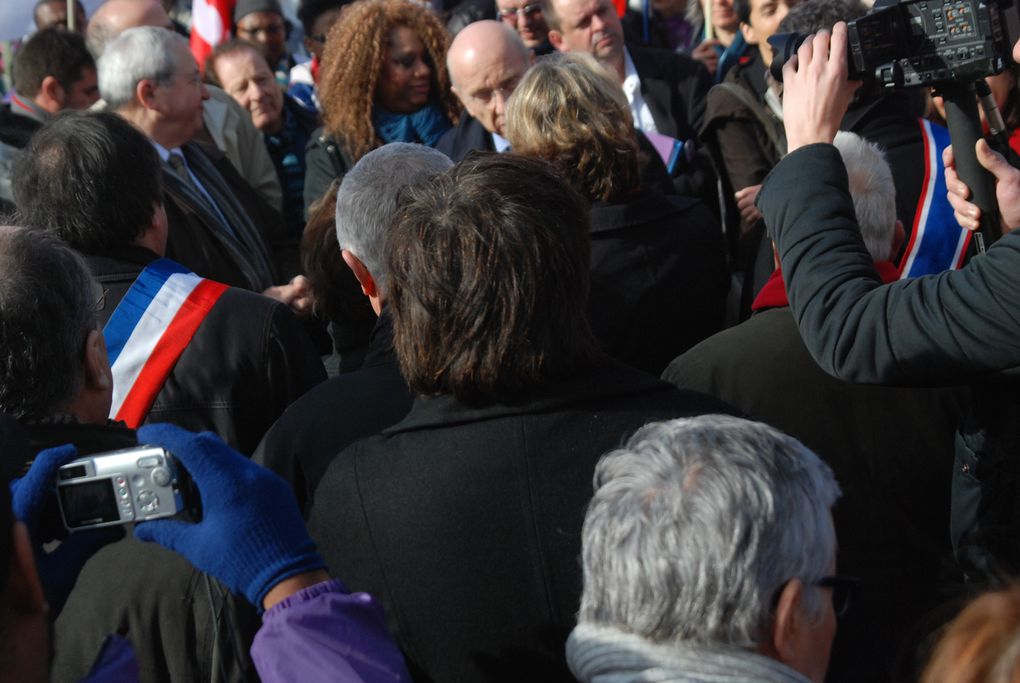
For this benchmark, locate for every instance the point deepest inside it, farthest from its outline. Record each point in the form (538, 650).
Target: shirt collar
(165, 153)
(631, 80)
(500, 143)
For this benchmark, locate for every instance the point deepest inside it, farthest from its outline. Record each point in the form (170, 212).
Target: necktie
(181, 169)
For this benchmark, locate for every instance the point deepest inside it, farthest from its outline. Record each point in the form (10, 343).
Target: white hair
(696, 525)
(367, 198)
(872, 190)
(141, 53)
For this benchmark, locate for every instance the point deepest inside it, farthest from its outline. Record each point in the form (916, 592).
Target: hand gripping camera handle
(965, 131)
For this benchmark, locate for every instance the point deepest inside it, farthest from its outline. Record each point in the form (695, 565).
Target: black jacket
(675, 88)
(247, 362)
(465, 521)
(325, 161)
(261, 253)
(891, 450)
(469, 134)
(335, 414)
(183, 625)
(15, 132)
(658, 277)
(955, 327)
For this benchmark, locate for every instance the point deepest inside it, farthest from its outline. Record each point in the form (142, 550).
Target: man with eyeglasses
(262, 22)
(226, 129)
(525, 17)
(709, 554)
(486, 61)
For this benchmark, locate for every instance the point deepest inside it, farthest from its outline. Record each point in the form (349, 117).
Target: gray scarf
(600, 654)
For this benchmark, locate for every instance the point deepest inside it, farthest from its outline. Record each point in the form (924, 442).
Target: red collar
(773, 294)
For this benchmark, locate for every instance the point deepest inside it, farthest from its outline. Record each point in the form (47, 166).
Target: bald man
(227, 127)
(486, 61)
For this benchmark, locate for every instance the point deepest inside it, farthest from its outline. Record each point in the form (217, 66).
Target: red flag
(210, 25)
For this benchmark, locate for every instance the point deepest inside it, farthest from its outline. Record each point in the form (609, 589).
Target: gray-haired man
(708, 554)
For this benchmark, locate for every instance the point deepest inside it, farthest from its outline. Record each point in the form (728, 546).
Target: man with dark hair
(53, 71)
(240, 69)
(317, 18)
(49, 13)
(262, 22)
(94, 181)
(481, 488)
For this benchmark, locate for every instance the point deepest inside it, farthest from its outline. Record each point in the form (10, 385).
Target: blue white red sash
(149, 331)
(937, 242)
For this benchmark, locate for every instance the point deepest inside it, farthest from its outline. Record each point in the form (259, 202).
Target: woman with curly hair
(658, 271)
(383, 80)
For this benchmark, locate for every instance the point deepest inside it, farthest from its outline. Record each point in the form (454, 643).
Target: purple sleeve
(324, 633)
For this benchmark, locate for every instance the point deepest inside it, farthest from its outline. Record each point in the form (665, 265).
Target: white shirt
(500, 143)
(643, 120)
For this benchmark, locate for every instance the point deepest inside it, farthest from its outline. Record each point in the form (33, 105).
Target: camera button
(138, 480)
(148, 501)
(121, 481)
(153, 461)
(161, 476)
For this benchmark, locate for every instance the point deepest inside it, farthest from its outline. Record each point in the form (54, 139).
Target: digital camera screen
(89, 503)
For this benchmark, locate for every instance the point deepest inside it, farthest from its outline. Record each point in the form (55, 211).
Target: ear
(748, 32)
(556, 40)
(98, 375)
(24, 591)
(51, 95)
(789, 622)
(364, 277)
(145, 93)
(899, 237)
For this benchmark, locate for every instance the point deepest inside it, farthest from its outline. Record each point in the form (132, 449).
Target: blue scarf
(424, 126)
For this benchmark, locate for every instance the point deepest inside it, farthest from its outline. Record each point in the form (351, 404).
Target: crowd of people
(503, 340)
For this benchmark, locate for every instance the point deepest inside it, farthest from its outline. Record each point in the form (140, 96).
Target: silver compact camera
(120, 487)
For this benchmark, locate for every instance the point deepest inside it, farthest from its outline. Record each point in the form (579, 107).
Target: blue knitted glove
(251, 535)
(58, 570)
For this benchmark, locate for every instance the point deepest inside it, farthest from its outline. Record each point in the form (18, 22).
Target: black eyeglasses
(843, 588)
(511, 15)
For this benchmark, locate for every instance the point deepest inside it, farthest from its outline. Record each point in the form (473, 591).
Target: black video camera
(921, 42)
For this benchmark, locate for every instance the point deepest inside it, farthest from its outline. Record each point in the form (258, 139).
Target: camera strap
(149, 331)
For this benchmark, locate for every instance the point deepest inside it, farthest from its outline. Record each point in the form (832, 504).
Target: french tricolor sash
(149, 331)
(937, 242)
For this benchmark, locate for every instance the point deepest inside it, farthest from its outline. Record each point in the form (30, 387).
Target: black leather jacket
(248, 361)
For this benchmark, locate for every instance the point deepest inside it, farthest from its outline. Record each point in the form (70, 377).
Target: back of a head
(488, 280)
(697, 523)
(50, 52)
(309, 11)
(817, 15)
(569, 111)
(872, 190)
(139, 53)
(115, 16)
(982, 644)
(367, 198)
(91, 179)
(47, 301)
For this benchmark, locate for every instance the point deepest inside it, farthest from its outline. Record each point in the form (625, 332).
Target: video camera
(921, 42)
